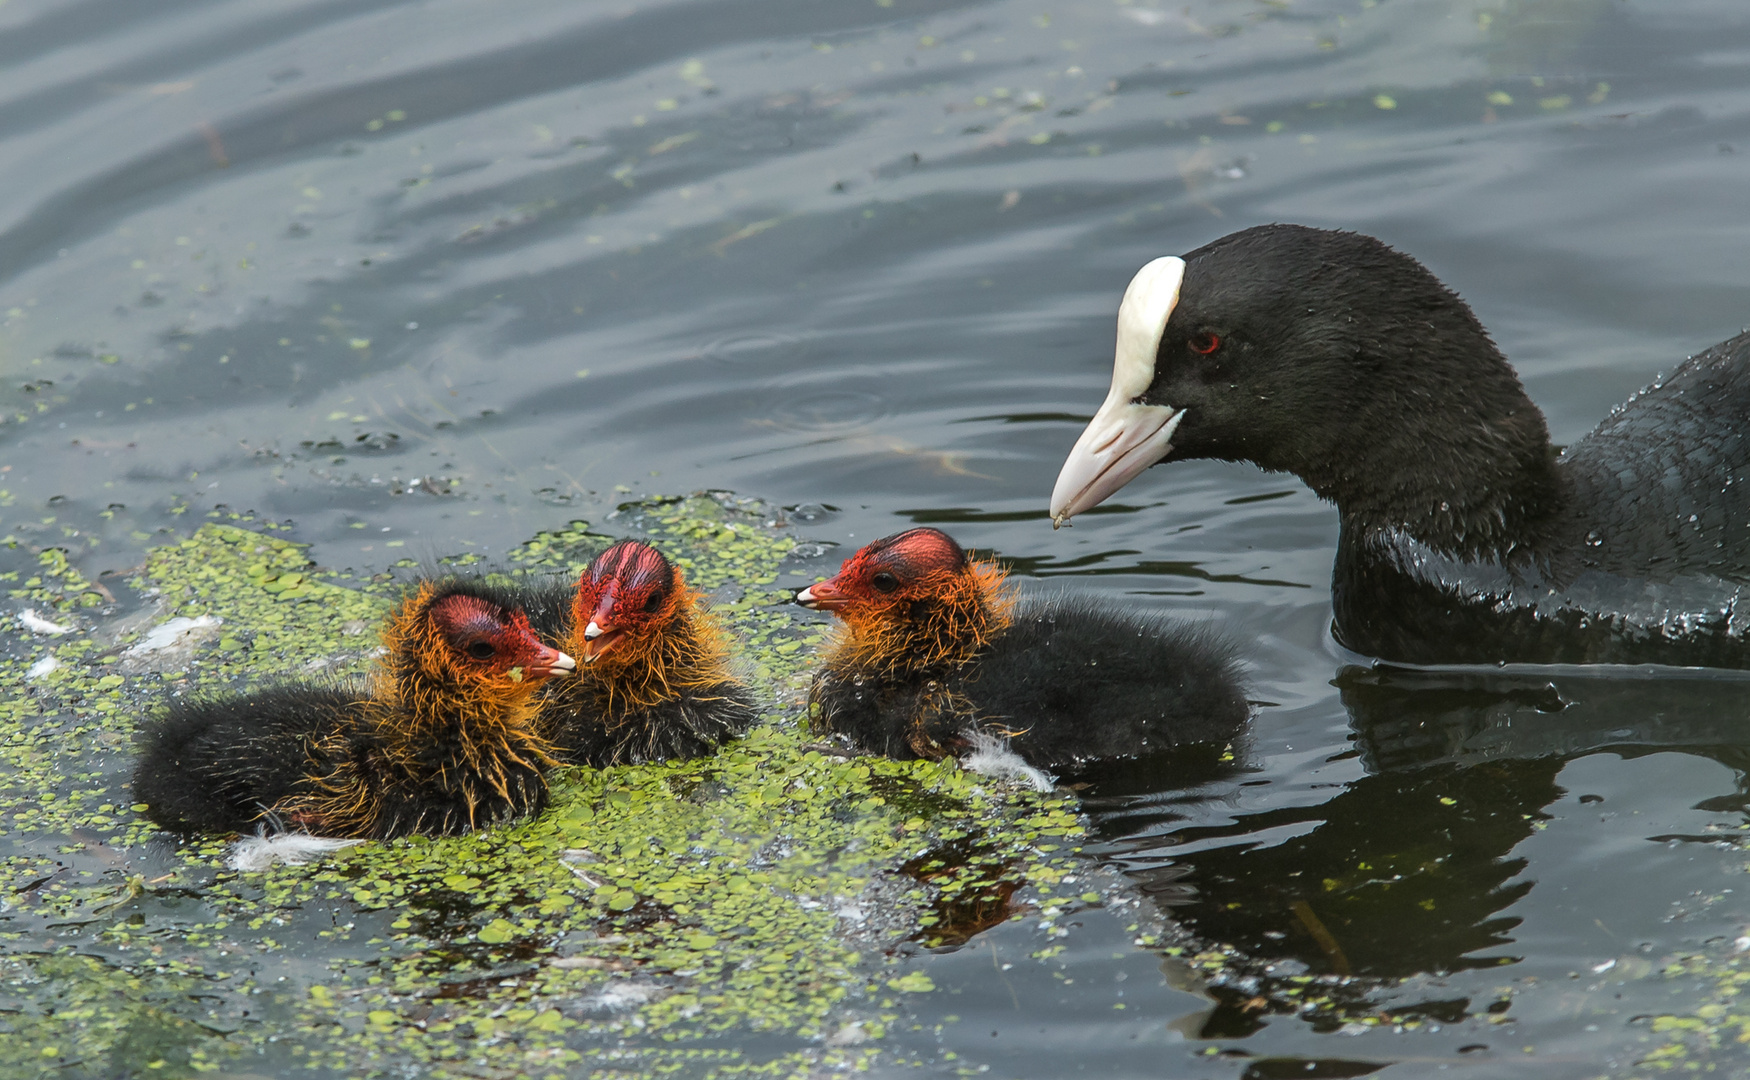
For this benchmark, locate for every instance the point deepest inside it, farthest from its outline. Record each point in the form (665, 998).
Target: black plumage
(1068, 681)
(219, 764)
(1466, 537)
(693, 723)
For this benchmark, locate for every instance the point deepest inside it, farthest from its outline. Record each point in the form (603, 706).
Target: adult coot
(939, 658)
(1465, 537)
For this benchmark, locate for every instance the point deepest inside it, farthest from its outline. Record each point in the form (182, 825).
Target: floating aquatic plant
(747, 912)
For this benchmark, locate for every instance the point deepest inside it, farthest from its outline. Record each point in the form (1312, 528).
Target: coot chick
(1466, 537)
(655, 682)
(937, 655)
(441, 740)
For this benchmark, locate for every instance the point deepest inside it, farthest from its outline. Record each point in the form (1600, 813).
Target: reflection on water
(427, 279)
(1408, 719)
(1398, 874)
(1420, 868)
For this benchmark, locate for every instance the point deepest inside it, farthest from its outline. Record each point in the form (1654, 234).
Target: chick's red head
(896, 570)
(489, 641)
(630, 593)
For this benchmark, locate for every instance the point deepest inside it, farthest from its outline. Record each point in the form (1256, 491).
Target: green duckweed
(727, 916)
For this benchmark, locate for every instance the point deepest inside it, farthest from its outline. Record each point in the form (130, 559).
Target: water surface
(424, 279)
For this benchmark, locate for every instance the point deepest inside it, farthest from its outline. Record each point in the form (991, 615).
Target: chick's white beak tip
(592, 631)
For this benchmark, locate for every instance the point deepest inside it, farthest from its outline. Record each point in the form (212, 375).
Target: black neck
(1486, 490)
(1434, 436)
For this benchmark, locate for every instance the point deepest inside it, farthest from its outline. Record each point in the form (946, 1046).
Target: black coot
(1466, 538)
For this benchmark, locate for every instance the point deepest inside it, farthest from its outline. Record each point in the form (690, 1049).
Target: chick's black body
(547, 602)
(1466, 538)
(217, 765)
(1067, 681)
(419, 756)
(692, 724)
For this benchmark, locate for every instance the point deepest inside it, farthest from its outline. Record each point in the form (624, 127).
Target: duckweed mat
(748, 913)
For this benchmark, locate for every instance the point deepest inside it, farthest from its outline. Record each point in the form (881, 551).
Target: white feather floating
(170, 633)
(36, 624)
(623, 994)
(42, 667)
(992, 757)
(294, 849)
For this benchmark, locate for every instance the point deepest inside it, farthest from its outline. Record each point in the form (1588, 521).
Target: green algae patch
(1710, 1037)
(730, 915)
(76, 1014)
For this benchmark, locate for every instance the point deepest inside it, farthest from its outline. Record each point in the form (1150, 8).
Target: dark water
(426, 278)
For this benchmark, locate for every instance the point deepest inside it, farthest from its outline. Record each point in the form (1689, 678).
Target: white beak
(805, 596)
(591, 632)
(1126, 436)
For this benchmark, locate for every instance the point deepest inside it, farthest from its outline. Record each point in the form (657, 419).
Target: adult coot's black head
(1331, 356)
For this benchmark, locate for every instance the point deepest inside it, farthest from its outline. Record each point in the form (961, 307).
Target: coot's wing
(217, 764)
(1664, 482)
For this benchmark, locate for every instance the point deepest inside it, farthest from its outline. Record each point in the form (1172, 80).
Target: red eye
(1205, 343)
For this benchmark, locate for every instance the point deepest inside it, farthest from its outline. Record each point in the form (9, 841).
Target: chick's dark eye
(1205, 343)
(653, 603)
(481, 650)
(884, 581)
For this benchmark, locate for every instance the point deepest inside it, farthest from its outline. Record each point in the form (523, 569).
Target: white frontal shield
(1125, 437)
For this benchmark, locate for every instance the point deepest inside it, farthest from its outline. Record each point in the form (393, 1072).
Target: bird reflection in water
(1410, 869)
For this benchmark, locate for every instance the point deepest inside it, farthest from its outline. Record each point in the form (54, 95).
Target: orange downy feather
(682, 649)
(420, 696)
(941, 622)
(938, 624)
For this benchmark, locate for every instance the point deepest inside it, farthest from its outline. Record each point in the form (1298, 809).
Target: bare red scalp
(629, 589)
(486, 637)
(633, 564)
(912, 599)
(460, 613)
(914, 552)
(913, 563)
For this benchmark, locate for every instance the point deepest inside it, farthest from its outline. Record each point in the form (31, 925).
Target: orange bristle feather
(654, 682)
(913, 606)
(664, 652)
(945, 609)
(427, 695)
